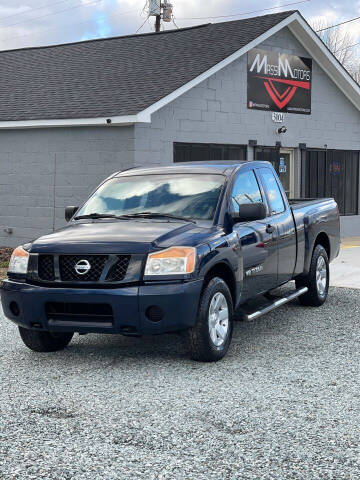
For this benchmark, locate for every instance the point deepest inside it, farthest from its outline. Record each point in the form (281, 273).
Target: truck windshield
(191, 196)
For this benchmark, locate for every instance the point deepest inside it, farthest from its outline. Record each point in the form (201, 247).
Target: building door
(282, 159)
(285, 170)
(333, 173)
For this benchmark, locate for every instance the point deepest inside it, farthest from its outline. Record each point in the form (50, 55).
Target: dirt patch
(5, 254)
(3, 273)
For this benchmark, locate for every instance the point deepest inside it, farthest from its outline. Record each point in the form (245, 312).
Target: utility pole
(157, 23)
(161, 10)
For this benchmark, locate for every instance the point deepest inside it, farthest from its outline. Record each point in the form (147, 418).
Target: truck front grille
(46, 269)
(103, 268)
(67, 264)
(118, 271)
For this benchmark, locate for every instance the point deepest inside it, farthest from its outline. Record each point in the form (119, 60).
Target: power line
(66, 26)
(52, 13)
(244, 13)
(338, 24)
(32, 10)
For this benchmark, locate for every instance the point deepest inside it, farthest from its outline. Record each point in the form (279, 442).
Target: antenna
(161, 10)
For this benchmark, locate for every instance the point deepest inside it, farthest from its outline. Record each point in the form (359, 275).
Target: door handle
(269, 228)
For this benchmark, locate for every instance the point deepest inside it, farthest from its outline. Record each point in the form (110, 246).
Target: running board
(277, 303)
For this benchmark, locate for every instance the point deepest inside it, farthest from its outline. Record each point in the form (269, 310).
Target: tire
(44, 341)
(209, 339)
(317, 280)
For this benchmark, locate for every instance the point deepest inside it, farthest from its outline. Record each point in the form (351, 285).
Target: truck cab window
(245, 190)
(273, 193)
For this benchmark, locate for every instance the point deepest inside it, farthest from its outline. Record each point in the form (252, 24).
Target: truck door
(281, 220)
(258, 242)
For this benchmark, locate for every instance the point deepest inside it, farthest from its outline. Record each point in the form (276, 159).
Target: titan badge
(254, 270)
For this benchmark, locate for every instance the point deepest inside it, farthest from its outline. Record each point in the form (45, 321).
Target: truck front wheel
(44, 341)
(317, 280)
(210, 337)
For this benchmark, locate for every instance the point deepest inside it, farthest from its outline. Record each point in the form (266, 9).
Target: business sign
(278, 82)
(282, 165)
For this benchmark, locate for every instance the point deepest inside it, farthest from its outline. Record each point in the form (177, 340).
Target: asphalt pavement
(284, 403)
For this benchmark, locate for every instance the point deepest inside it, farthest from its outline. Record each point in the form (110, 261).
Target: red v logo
(276, 97)
(282, 99)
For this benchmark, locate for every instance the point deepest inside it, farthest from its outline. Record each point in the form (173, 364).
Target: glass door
(285, 170)
(283, 162)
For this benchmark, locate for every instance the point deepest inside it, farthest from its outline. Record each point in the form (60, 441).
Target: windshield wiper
(98, 215)
(128, 216)
(157, 215)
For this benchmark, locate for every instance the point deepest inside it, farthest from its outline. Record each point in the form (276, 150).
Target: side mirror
(70, 212)
(248, 212)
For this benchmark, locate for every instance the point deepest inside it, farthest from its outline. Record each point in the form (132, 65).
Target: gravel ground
(284, 403)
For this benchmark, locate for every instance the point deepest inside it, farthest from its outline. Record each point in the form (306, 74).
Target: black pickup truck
(178, 248)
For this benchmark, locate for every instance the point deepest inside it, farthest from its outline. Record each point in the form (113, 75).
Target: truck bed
(297, 203)
(314, 216)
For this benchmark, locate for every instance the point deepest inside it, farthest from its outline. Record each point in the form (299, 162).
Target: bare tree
(355, 71)
(340, 42)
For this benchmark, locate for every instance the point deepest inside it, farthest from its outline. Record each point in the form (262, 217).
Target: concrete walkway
(350, 226)
(345, 270)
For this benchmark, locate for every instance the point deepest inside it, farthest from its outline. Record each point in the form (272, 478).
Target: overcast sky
(26, 23)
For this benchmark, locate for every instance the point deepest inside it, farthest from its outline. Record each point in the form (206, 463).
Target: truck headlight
(172, 261)
(19, 261)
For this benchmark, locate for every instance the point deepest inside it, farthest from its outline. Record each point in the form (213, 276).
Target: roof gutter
(122, 120)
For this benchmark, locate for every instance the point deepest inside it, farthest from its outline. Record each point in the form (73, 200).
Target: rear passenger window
(273, 193)
(245, 190)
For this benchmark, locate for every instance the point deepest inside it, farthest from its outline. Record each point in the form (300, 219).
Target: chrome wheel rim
(218, 319)
(321, 276)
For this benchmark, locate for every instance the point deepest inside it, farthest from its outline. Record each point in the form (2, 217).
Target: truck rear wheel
(44, 341)
(210, 338)
(317, 280)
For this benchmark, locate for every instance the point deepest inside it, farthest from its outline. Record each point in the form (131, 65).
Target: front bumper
(177, 301)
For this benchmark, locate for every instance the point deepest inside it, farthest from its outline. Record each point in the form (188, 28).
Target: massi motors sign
(278, 82)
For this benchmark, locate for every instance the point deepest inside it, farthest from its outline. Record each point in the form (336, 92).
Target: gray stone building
(72, 114)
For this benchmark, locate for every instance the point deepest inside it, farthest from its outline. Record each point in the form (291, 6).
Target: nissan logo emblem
(82, 267)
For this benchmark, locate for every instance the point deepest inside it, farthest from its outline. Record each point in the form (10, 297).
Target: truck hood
(130, 236)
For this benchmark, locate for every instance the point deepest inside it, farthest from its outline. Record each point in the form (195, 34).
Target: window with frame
(198, 152)
(273, 193)
(245, 190)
